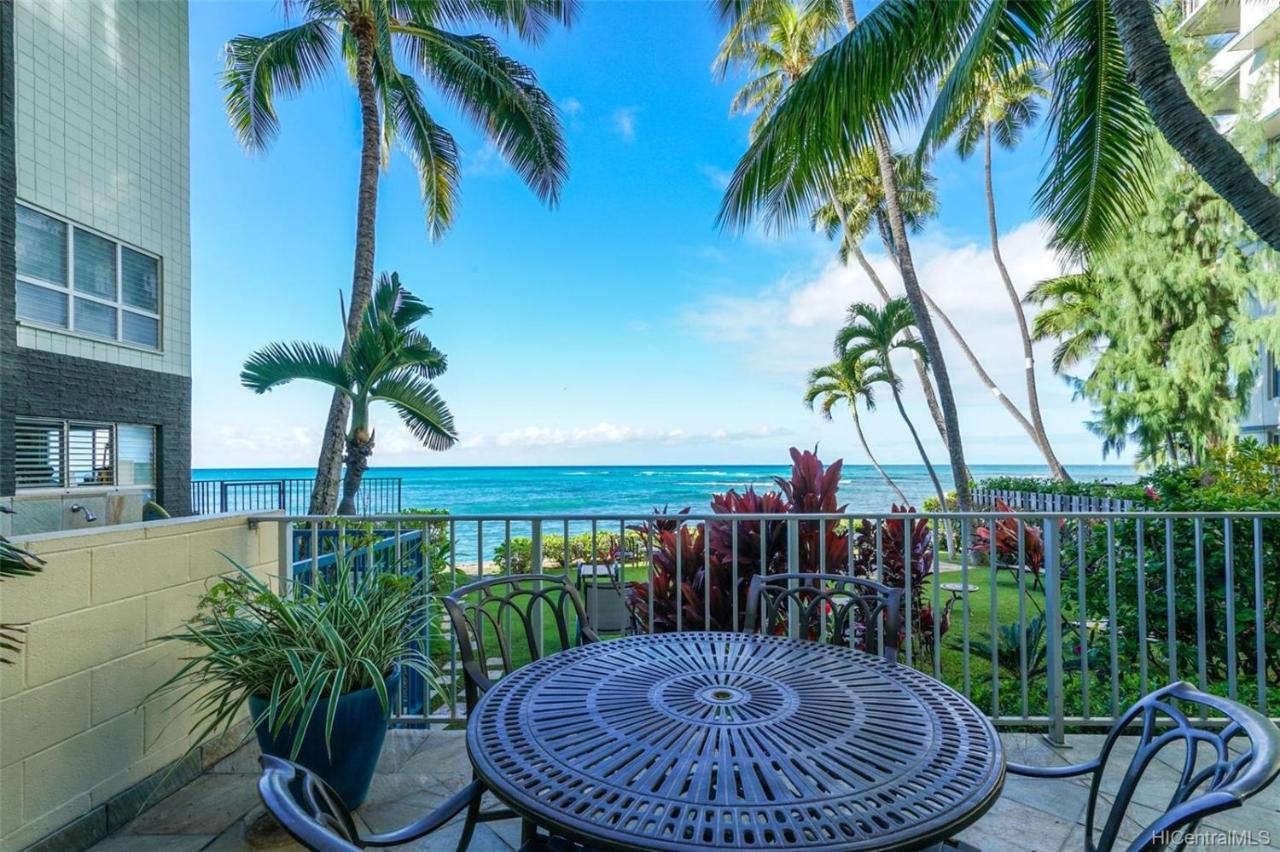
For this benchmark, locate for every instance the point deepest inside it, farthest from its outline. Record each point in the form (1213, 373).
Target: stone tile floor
(220, 810)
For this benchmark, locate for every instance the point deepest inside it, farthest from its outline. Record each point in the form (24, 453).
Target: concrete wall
(75, 733)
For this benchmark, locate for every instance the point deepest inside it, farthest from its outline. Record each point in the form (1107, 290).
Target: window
(72, 278)
(71, 454)
(1273, 376)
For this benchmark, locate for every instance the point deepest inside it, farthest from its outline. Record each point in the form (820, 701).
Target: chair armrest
(1053, 771)
(432, 821)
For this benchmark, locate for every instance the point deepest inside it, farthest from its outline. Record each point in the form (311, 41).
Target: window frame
(64, 461)
(69, 292)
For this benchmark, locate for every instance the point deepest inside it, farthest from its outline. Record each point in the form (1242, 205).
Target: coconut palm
(871, 335)
(779, 182)
(500, 95)
(856, 204)
(1001, 103)
(1113, 80)
(387, 360)
(863, 207)
(851, 382)
(1070, 307)
(775, 42)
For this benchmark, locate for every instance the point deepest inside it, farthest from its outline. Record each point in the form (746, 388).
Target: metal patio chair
(1232, 773)
(312, 813)
(492, 613)
(604, 598)
(836, 608)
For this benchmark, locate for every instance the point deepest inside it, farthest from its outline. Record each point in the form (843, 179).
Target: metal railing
(1065, 621)
(377, 495)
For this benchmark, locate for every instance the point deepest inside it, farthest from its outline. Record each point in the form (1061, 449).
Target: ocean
(640, 489)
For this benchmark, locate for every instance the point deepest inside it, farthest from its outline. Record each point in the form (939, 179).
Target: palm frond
(501, 96)
(420, 407)
(1099, 176)
(279, 363)
(430, 147)
(530, 20)
(1007, 33)
(883, 69)
(257, 68)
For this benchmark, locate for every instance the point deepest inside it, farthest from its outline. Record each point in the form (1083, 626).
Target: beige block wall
(74, 727)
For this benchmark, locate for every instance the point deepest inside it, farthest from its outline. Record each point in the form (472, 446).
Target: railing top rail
(711, 516)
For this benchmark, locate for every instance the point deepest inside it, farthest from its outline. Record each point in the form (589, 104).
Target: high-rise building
(95, 268)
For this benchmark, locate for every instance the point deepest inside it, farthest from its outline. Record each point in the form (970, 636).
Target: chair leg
(528, 834)
(469, 825)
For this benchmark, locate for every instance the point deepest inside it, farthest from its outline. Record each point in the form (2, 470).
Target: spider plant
(347, 630)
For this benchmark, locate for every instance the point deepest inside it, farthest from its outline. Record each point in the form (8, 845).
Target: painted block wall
(75, 729)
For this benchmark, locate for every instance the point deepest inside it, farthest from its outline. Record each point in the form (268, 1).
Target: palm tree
(856, 203)
(500, 95)
(863, 206)
(794, 159)
(1114, 88)
(871, 335)
(1000, 104)
(1070, 307)
(852, 382)
(387, 360)
(776, 42)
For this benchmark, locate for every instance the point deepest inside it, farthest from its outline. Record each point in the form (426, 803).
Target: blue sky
(620, 327)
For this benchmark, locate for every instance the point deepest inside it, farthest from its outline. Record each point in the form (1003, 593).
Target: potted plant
(317, 664)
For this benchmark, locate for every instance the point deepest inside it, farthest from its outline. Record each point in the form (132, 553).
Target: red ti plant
(891, 568)
(750, 533)
(681, 584)
(709, 582)
(813, 491)
(1006, 541)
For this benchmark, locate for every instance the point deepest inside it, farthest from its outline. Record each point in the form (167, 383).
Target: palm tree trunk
(924, 457)
(357, 459)
(324, 493)
(866, 448)
(1036, 427)
(946, 399)
(985, 377)
(922, 372)
(1185, 127)
(928, 336)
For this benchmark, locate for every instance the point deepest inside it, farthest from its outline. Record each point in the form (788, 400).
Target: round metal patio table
(733, 741)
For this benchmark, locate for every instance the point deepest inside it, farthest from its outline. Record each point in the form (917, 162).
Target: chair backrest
(1221, 764)
(307, 807)
(508, 618)
(834, 608)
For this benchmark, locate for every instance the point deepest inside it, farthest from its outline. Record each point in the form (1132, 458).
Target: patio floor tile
(419, 769)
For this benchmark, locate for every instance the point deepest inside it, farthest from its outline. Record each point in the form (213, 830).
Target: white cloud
(624, 122)
(485, 162)
(792, 321)
(571, 106)
(718, 178)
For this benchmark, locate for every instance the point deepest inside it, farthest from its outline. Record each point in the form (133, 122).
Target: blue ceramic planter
(359, 728)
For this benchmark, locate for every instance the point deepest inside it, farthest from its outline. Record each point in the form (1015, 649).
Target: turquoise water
(639, 489)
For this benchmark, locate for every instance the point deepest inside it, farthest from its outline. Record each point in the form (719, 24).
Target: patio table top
(722, 740)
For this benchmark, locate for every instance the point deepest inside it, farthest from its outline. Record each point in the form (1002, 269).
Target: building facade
(95, 269)
(1244, 71)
